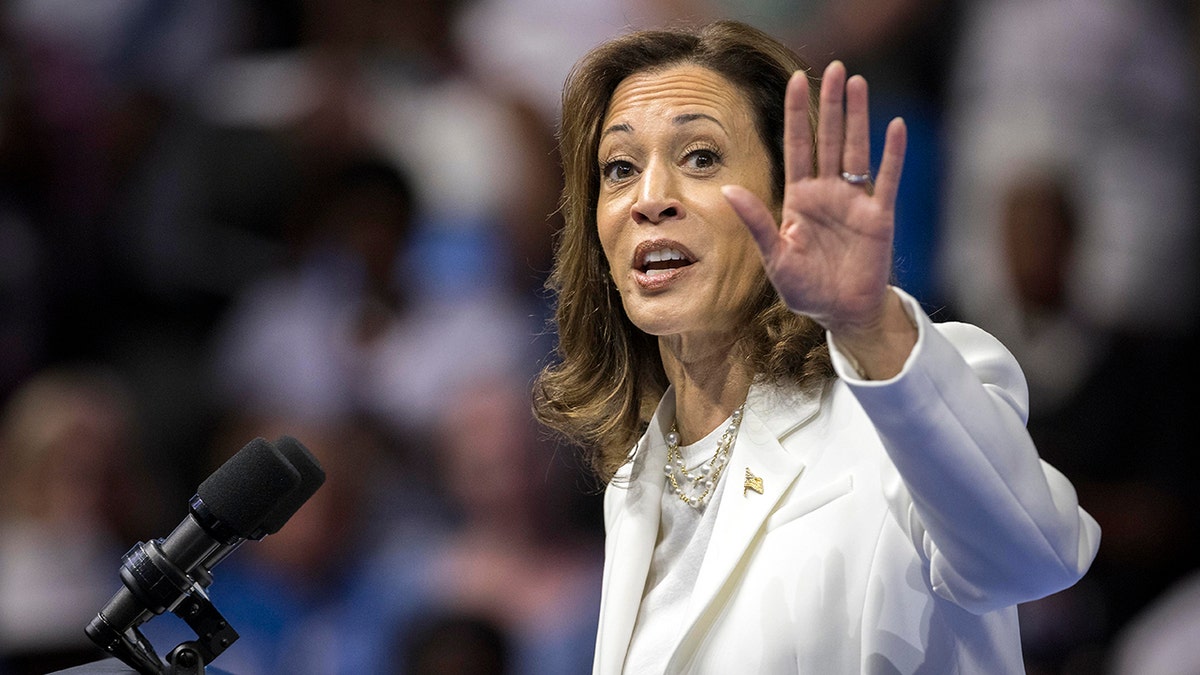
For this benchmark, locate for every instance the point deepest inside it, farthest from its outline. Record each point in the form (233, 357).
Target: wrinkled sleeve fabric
(994, 524)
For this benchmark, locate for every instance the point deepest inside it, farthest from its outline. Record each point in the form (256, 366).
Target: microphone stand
(214, 635)
(145, 568)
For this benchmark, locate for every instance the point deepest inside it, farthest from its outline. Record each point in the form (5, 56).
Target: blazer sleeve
(994, 523)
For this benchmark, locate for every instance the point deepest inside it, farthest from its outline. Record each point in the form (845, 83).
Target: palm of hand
(833, 249)
(830, 257)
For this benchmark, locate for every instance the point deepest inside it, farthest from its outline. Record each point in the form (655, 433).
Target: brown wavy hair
(607, 375)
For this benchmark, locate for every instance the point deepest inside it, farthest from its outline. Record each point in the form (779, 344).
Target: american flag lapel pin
(752, 483)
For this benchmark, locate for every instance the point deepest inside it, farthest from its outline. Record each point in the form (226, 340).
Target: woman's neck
(710, 382)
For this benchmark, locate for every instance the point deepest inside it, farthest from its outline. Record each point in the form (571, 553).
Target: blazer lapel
(767, 420)
(634, 532)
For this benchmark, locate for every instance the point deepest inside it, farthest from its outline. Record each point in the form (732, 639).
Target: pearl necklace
(696, 489)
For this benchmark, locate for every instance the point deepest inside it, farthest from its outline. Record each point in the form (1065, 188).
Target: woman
(821, 480)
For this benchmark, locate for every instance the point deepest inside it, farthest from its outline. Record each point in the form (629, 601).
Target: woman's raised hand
(830, 256)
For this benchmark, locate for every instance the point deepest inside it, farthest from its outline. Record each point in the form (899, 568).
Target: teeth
(663, 254)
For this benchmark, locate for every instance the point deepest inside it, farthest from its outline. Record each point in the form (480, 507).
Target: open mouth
(656, 258)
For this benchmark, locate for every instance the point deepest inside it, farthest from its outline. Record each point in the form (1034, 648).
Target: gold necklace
(696, 489)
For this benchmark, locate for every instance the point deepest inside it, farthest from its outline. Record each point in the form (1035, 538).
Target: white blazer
(901, 522)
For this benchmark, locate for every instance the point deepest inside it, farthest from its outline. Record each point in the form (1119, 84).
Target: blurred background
(222, 219)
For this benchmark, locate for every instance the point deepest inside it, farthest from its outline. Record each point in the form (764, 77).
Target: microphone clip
(159, 585)
(213, 633)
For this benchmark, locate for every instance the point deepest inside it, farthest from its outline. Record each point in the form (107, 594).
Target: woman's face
(680, 257)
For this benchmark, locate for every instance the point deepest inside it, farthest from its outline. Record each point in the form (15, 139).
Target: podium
(112, 666)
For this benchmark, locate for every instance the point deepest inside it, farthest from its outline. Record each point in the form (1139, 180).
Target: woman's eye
(618, 170)
(702, 159)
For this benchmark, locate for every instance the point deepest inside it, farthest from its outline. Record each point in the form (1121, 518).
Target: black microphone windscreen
(245, 491)
(312, 476)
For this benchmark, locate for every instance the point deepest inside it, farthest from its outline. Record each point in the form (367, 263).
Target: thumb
(755, 214)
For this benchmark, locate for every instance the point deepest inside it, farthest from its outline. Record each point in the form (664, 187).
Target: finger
(829, 128)
(856, 157)
(755, 214)
(887, 184)
(797, 130)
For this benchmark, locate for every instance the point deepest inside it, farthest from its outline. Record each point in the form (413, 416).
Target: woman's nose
(657, 199)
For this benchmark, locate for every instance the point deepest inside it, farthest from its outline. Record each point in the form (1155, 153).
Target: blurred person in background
(343, 332)
(107, 161)
(1083, 111)
(514, 560)
(1070, 233)
(388, 78)
(73, 498)
(380, 83)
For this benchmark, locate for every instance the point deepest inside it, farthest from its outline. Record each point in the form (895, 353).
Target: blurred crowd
(225, 219)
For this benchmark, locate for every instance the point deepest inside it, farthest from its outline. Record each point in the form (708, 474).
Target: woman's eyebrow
(678, 120)
(616, 127)
(686, 118)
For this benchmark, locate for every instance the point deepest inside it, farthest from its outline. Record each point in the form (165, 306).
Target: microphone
(250, 496)
(312, 476)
